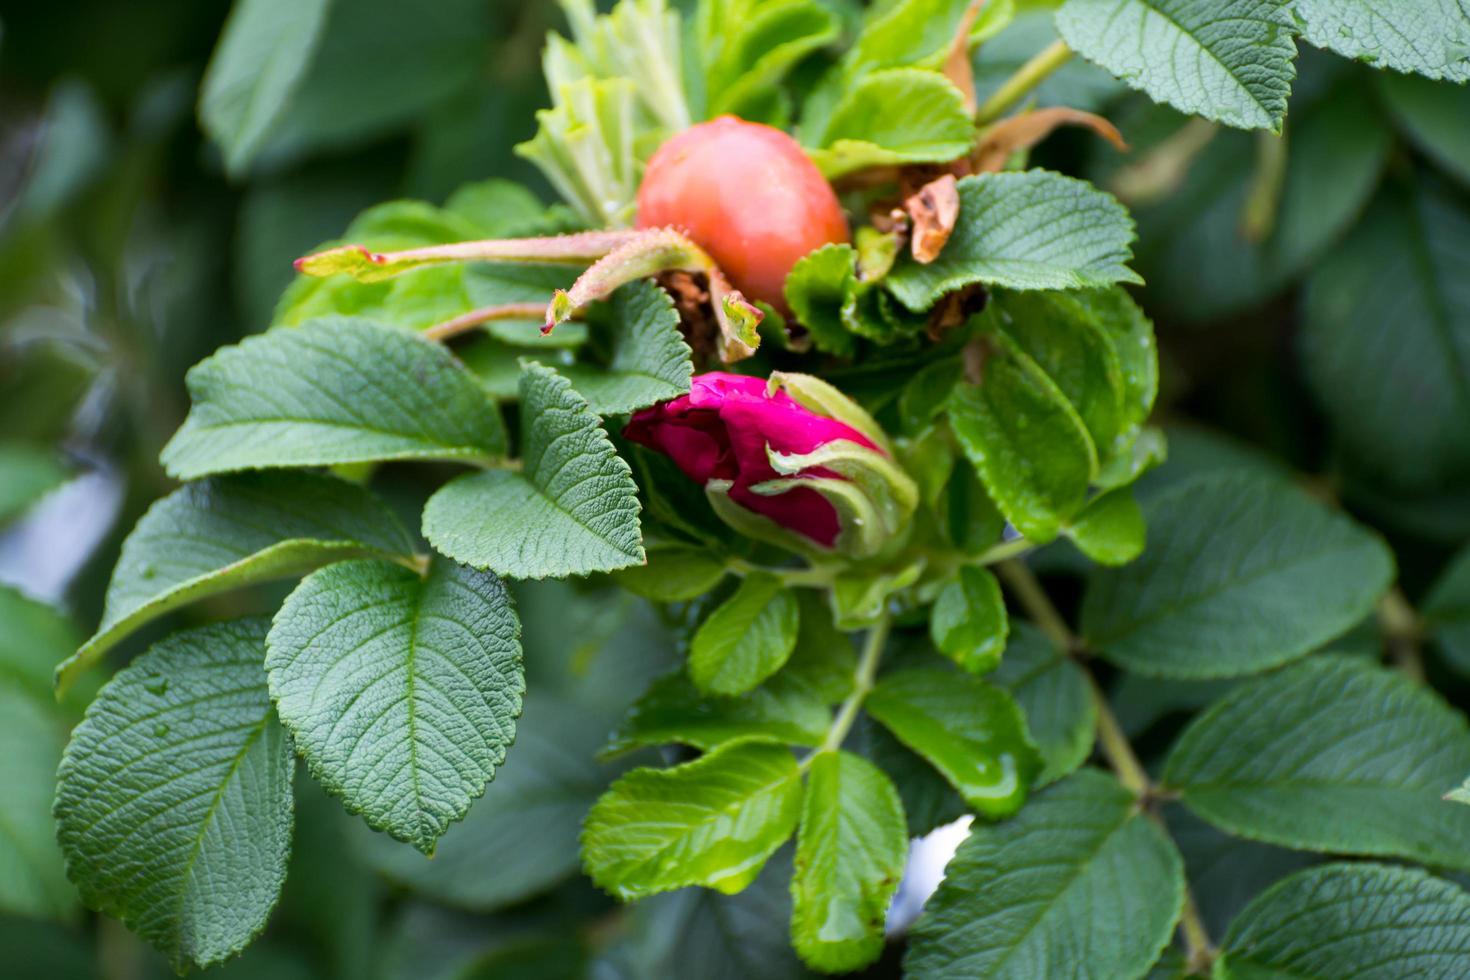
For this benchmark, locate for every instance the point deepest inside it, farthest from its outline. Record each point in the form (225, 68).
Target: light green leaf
(1025, 440)
(894, 116)
(571, 509)
(1427, 37)
(1243, 572)
(650, 361)
(524, 828)
(1030, 230)
(174, 808)
(1111, 529)
(1228, 60)
(262, 55)
(910, 32)
(674, 573)
(1331, 754)
(850, 854)
(1432, 115)
(710, 822)
(1446, 611)
(969, 623)
(1051, 690)
(971, 731)
(335, 390)
(747, 639)
(32, 881)
(818, 289)
(27, 473)
(401, 691)
(1355, 921)
(231, 531)
(1080, 883)
(673, 711)
(750, 45)
(1387, 313)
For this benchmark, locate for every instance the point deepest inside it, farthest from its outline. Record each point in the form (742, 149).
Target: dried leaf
(1029, 128)
(957, 67)
(934, 211)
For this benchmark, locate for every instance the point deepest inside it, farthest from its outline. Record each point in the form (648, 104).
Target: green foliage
(1284, 575)
(1079, 877)
(894, 116)
(571, 509)
(27, 474)
(850, 852)
(1007, 235)
(228, 532)
(1331, 755)
(401, 692)
(969, 623)
(650, 361)
(334, 390)
(710, 822)
(1426, 38)
(674, 710)
(970, 731)
(175, 820)
(1358, 920)
(1052, 692)
(1229, 60)
(745, 640)
(1447, 611)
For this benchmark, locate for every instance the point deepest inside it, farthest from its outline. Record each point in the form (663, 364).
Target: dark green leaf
(1335, 755)
(1354, 921)
(571, 509)
(1446, 611)
(1051, 690)
(401, 691)
(1432, 115)
(174, 807)
(1429, 37)
(1242, 573)
(1081, 882)
(673, 711)
(650, 361)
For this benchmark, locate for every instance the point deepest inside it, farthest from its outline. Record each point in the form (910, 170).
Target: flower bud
(791, 460)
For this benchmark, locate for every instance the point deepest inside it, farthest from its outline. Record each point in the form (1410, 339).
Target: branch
(862, 683)
(1026, 78)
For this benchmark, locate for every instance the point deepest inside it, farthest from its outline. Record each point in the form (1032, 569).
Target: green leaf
(850, 854)
(967, 515)
(710, 822)
(969, 623)
(401, 692)
(971, 731)
(27, 473)
(1080, 883)
(1031, 230)
(1446, 611)
(674, 573)
(750, 45)
(818, 288)
(1111, 530)
(335, 390)
(1389, 312)
(572, 509)
(1243, 572)
(174, 805)
(1432, 117)
(1025, 440)
(1427, 37)
(894, 116)
(672, 710)
(229, 532)
(1228, 60)
(747, 639)
(35, 637)
(526, 825)
(1051, 690)
(262, 56)
(1351, 920)
(32, 880)
(909, 32)
(650, 361)
(1331, 754)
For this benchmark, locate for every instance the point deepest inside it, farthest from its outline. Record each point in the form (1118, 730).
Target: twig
(466, 322)
(1026, 78)
(862, 683)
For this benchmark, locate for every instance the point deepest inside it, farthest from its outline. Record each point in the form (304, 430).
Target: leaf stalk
(1026, 78)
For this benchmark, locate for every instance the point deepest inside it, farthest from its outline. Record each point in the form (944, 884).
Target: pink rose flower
(730, 432)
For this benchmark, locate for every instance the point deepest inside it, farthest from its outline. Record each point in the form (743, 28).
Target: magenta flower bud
(776, 461)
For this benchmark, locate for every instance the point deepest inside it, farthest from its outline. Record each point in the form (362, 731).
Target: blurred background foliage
(1312, 301)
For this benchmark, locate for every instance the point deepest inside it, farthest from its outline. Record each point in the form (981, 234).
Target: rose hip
(748, 195)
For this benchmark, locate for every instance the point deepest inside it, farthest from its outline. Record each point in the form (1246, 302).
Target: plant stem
(466, 322)
(1402, 632)
(1003, 551)
(1026, 78)
(862, 683)
(796, 578)
(1036, 603)
(1113, 743)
